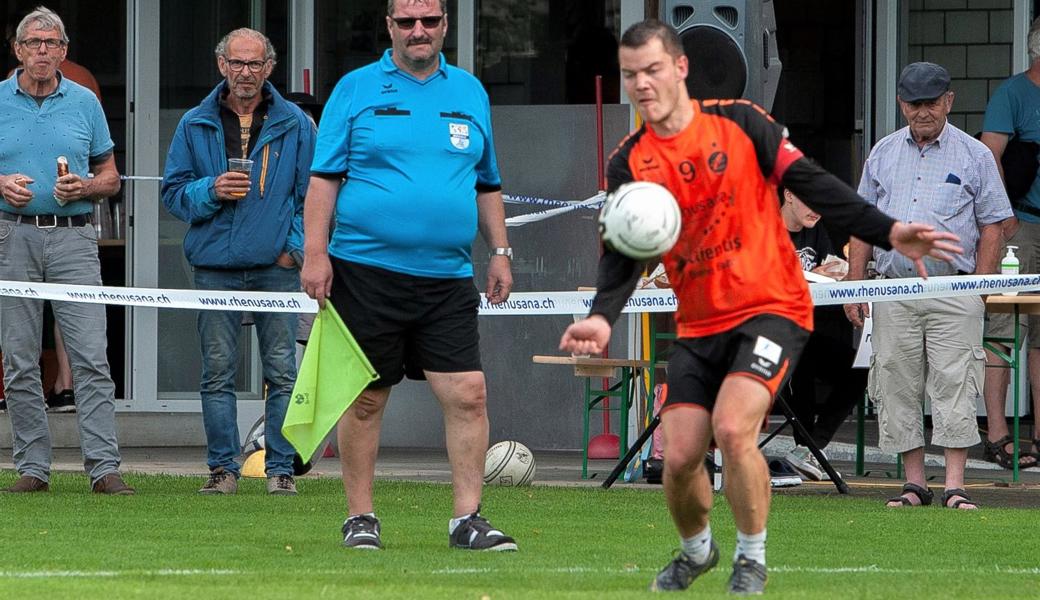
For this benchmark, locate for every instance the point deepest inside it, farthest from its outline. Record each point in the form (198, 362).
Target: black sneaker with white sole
(476, 533)
(61, 402)
(748, 578)
(681, 572)
(362, 533)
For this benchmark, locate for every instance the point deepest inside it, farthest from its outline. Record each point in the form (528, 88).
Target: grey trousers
(56, 255)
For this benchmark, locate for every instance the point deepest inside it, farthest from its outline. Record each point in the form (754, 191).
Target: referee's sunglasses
(408, 23)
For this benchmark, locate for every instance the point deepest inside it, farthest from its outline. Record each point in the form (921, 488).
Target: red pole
(601, 180)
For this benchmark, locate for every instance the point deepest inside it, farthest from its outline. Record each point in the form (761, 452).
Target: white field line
(862, 570)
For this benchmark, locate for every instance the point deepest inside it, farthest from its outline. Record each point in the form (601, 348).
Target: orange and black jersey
(734, 259)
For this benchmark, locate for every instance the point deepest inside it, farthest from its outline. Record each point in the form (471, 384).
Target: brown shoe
(112, 484)
(281, 485)
(220, 482)
(26, 484)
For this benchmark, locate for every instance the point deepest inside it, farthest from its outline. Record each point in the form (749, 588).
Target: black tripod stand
(790, 418)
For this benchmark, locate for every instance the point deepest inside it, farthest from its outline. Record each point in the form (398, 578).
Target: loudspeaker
(731, 45)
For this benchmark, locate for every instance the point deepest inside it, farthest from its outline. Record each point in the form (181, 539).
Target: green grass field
(168, 542)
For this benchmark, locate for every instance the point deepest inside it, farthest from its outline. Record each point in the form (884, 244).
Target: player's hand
(231, 186)
(316, 277)
(856, 313)
(588, 336)
(14, 189)
(917, 240)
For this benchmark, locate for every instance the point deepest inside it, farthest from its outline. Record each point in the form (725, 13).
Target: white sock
(454, 523)
(699, 546)
(752, 546)
(368, 514)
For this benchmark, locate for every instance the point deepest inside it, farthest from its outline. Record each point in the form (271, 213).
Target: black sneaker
(748, 578)
(362, 532)
(681, 572)
(62, 402)
(475, 533)
(3, 405)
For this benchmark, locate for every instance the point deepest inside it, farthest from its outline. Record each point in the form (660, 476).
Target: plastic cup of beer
(240, 165)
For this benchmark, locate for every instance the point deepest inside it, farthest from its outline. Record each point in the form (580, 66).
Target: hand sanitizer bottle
(1009, 265)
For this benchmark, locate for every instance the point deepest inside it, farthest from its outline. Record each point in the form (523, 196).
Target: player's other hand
(917, 240)
(588, 336)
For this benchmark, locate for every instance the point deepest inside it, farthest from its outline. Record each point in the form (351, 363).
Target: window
(542, 52)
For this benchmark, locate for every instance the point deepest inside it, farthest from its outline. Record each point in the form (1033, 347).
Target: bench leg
(585, 430)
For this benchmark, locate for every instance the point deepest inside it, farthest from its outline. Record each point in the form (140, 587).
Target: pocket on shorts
(874, 383)
(6, 228)
(977, 371)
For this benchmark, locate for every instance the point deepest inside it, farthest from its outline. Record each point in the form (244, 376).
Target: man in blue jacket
(245, 234)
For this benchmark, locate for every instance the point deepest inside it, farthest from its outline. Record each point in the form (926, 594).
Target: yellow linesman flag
(332, 375)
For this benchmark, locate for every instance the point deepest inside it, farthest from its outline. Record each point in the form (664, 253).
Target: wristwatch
(506, 252)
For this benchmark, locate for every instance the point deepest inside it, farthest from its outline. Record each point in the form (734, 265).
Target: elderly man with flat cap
(931, 172)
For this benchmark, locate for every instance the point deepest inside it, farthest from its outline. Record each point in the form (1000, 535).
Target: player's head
(654, 69)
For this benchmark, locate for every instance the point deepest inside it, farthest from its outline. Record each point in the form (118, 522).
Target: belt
(47, 221)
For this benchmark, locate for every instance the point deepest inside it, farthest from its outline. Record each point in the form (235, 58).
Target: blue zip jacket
(253, 231)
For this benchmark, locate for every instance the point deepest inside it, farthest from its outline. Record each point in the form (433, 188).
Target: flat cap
(922, 81)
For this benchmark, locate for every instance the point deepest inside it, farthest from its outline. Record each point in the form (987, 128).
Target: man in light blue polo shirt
(405, 156)
(46, 235)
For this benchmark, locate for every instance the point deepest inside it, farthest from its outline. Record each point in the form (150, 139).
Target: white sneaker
(803, 460)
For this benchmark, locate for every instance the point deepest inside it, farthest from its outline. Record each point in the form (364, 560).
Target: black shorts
(406, 324)
(765, 348)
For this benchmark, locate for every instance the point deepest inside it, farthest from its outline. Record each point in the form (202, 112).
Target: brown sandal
(924, 496)
(959, 497)
(997, 452)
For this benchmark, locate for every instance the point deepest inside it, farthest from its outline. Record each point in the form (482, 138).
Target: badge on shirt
(459, 133)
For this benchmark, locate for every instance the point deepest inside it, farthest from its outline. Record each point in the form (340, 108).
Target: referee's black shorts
(406, 324)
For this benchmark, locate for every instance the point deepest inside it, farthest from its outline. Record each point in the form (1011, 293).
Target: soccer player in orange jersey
(744, 307)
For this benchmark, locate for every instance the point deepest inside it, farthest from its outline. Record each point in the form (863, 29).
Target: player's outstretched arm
(917, 240)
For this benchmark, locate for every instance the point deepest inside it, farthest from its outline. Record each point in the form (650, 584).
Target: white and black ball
(509, 464)
(641, 220)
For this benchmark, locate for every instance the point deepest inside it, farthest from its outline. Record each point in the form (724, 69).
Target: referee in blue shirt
(406, 157)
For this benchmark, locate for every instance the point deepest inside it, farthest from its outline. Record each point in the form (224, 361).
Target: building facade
(538, 60)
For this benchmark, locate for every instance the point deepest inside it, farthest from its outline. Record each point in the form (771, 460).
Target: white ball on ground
(641, 220)
(508, 464)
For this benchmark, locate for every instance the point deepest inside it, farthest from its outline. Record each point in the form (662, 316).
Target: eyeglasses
(35, 43)
(236, 65)
(408, 23)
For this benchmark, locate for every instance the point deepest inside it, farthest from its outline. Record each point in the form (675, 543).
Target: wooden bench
(624, 371)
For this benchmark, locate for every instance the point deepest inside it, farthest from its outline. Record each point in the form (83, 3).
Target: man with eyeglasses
(405, 156)
(245, 234)
(46, 235)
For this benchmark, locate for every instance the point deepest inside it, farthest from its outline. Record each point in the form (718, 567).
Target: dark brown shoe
(112, 484)
(26, 484)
